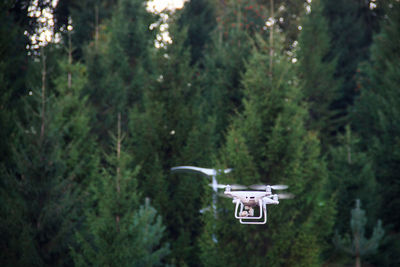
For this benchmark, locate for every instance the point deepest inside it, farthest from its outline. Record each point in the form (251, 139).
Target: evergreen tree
(378, 103)
(220, 79)
(13, 62)
(163, 132)
(351, 25)
(118, 64)
(118, 232)
(47, 151)
(88, 19)
(80, 153)
(359, 246)
(375, 117)
(320, 87)
(199, 18)
(269, 144)
(352, 176)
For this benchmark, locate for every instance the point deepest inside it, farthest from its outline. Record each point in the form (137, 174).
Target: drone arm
(268, 200)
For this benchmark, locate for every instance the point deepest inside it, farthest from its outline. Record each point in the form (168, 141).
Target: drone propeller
(285, 196)
(204, 171)
(232, 186)
(264, 187)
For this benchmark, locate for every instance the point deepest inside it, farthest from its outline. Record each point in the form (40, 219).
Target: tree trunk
(44, 73)
(358, 261)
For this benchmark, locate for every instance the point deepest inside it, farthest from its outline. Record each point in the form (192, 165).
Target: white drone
(261, 195)
(249, 200)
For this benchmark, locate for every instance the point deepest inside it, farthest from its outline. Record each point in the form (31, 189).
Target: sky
(160, 5)
(45, 17)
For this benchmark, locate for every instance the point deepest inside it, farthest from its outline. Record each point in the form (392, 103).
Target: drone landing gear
(246, 214)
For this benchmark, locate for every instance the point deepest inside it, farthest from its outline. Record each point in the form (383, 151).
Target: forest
(99, 99)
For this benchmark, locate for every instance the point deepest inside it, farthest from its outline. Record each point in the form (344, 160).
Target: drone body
(247, 201)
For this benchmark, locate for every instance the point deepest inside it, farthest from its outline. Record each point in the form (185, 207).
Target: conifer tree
(88, 19)
(352, 176)
(359, 246)
(50, 159)
(80, 153)
(320, 87)
(375, 118)
(13, 62)
(219, 81)
(199, 19)
(118, 64)
(272, 146)
(117, 231)
(376, 112)
(351, 25)
(163, 134)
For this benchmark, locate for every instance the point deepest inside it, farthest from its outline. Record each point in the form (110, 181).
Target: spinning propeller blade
(233, 186)
(264, 187)
(279, 187)
(285, 196)
(204, 171)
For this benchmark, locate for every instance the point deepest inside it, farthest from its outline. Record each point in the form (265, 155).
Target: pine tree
(219, 81)
(88, 19)
(118, 232)
(268, 143)
(163, 132)
(360, 246)
(50, 161)
(199, 18)
(320, 87)
(118, 64)
(352, 176)
(378, 103)
(375, 118)
(75, 115)
(13, 61)
(351, 25)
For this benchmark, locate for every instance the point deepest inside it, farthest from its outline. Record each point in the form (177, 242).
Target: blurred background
(101, 98)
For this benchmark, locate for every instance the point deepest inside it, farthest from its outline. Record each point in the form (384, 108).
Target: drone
(248, 201)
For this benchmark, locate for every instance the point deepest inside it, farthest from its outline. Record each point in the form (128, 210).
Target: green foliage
(88, 18)
(359, 246)
(13, 60)
(351, 25)
(199, 18)
(118, 62)
(375, 117)
(80, 153)
(164, 135)
(225, 93)
(316, 70)
(220, 80)
(269, 144)
(116, 232)
(49, 153)
(378, 103)
(352, 176)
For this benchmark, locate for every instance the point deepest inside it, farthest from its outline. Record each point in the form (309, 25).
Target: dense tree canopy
(94, 116)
